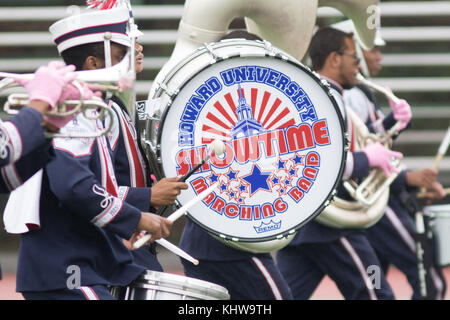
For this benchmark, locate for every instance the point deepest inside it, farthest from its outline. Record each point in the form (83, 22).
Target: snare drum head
(283, 133)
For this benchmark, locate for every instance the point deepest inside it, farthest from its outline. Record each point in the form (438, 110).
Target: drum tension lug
(164, 88)
(214, 56)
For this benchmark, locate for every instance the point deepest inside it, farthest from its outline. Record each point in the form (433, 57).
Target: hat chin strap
(107, 50)
(107, 47)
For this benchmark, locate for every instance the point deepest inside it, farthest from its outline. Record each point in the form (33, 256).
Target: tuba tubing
(287, 24)
(371, 195)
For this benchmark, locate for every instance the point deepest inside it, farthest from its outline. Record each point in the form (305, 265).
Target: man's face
(349, 65)
(373, 60)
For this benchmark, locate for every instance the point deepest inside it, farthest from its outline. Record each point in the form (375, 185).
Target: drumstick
(442, 149)
(440, 154)
(177, 214)
(170, 246)
(216, 147)
(166, 244)
(181, 211)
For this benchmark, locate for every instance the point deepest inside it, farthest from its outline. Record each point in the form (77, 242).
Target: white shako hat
(92, 26)
(348, 26)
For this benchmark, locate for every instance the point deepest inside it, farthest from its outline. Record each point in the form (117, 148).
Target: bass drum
(283, 132)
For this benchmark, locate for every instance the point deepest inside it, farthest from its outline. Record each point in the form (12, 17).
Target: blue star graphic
(275, 180)
(232, 194)
(213, 177)
(257, 180)
(281, 164)
(297, 159)
(292, 172)
(223, 187)
(232, 174)
(242, 188)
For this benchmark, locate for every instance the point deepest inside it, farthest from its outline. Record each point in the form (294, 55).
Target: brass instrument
(372, 194)
(118, 79)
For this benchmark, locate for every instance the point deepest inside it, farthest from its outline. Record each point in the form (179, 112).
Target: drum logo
(272, 136)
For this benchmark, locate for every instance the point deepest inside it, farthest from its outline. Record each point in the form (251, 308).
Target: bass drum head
(284, 138)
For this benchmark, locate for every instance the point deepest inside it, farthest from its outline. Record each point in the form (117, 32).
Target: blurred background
(416, 67)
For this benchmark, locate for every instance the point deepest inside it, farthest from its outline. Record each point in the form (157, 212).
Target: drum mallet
(216, 147)
(174, 216)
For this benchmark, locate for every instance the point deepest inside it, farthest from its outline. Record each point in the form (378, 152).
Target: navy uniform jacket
(23, 148)
(131, 170)
(84, 215)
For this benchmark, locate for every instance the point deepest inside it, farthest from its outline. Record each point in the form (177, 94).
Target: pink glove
(379, 156)
(402, 112)
(48, 82)
(70, 92)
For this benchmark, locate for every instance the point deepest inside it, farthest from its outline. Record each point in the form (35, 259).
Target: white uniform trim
(273, 286)
(89, 293)
(11, 177)
(401, 229)
(360, 266)
(122, 193)
(14, 140)
(114, 205)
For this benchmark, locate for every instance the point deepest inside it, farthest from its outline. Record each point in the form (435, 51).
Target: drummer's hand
(166, 190)
(158, 226)
(436, 192)
(423, 178)
(135, 237)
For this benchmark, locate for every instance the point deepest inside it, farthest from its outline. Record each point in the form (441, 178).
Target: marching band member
(24, 147)
(78, 251)
(393, 236)
(318, 250)
(247, 276)
(130, 167)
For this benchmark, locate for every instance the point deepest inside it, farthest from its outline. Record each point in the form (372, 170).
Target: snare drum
(283, 132)
(154, 285)
(440, 225)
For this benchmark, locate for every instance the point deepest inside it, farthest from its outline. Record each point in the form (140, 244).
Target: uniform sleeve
(21, 135)
(15, 174)
(357, 166)
(137, 197)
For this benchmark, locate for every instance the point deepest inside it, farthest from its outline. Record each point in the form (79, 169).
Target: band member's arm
(76, 187)
(15, 174)
(372, 156)
(21, 135)
(162, 193)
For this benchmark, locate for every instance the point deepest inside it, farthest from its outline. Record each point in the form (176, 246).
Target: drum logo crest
(273, 140)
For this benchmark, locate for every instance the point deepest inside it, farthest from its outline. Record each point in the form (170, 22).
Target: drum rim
(148, 275)
(282, 56)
